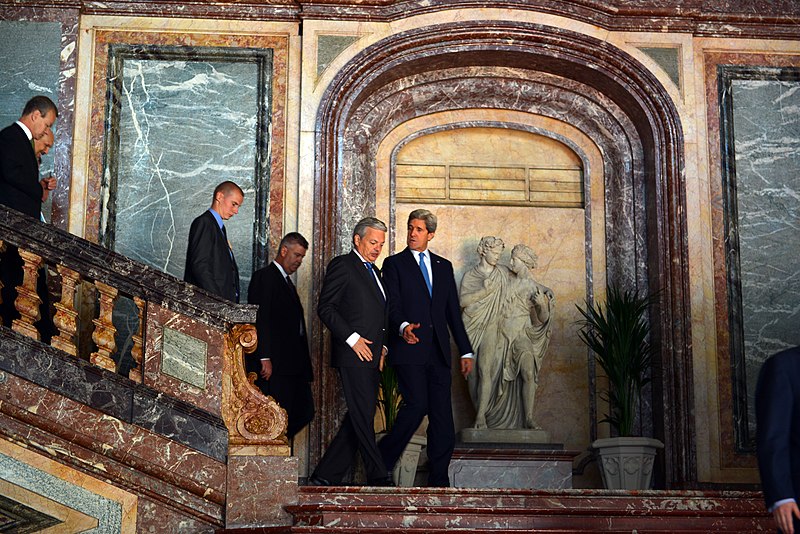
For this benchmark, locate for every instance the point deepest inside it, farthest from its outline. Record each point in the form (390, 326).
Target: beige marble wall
(690, 101)
(306, 83)
(557, 235)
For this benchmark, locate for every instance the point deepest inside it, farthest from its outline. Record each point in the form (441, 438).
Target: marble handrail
(128, 276)
(256, 424)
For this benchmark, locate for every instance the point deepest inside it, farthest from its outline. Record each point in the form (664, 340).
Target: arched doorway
(555, 75)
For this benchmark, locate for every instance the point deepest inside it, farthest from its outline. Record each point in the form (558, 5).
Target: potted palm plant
(389, 400)
(618, 334)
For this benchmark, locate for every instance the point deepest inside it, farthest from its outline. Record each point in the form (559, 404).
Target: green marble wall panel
(761, 148)
(30, 59)
(180, 121)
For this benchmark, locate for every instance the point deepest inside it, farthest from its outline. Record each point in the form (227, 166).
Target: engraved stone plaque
(184, 357)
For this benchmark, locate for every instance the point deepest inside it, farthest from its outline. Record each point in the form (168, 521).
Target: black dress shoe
(383, 481)
(315, 480)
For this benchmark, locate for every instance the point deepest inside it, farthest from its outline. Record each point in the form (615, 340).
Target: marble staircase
(457, 510)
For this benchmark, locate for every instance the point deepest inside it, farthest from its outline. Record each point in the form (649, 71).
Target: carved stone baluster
(104, 330)
(28, 300)
(135, 373)
(66, 319)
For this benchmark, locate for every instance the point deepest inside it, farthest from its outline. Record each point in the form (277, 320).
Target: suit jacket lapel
(367, 276)
(289, 294)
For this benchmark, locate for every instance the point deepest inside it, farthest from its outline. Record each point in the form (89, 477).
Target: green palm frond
(618, 335)
(389, 396)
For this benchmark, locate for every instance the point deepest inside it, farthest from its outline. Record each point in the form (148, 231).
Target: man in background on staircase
(282, 360)
(21, 189)
(209, 257)
(41, 147)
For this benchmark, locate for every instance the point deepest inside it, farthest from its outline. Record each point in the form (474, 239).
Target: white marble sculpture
(507, 315)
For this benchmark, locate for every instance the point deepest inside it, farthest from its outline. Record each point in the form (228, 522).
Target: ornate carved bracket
(256, 424)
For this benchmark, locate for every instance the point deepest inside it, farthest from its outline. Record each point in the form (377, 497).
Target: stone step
(433, 510)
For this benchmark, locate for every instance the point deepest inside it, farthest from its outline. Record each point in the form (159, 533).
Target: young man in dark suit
(423, 303)
(22, 190)
(778, 436)
(352, 304)
(210, 263)
(282, 360)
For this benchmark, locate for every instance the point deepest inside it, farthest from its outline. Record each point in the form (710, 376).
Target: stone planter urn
(405, 472)
(627, 463)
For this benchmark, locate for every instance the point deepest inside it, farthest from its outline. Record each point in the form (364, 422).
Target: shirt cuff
(780, 503)
(265, 359)
(352, 339)
(468, 356)
(403, 327)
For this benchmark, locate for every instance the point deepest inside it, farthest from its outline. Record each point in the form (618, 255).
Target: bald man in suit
(210, 263)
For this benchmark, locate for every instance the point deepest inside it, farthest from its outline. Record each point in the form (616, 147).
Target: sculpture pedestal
(480, 460)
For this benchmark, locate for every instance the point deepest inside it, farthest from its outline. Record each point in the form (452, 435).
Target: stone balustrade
(186, 343)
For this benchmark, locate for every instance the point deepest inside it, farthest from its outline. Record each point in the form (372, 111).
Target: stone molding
(255, 427)
(659, 257)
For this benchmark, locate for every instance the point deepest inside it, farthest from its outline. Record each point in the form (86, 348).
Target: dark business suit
(423, 369)
(351, 301)
(19, 172)
(281, 327)
(209, 261)
(20, 189)
(778, 427)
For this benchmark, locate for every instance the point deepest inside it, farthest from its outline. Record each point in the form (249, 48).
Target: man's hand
(784, 515)
(362, 349)
(408, 333)
(48, 184)
(466, 366)
(266, 369)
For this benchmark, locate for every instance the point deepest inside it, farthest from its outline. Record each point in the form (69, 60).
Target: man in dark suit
(352, 304)
(21, 189)
(209, 257)
(423, 303)
(282, 360)
(778, 436)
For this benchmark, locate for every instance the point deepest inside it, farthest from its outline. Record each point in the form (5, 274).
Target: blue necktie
(369, 267)
(425, 274)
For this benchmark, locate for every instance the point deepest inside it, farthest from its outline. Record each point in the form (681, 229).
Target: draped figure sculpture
(482, 295)
(508, 317)
(526, 329)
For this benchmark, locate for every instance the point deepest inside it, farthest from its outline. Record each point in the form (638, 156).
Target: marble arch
(622, 108)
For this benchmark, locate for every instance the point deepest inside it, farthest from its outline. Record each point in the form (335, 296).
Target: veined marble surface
(107, 512)
(27, 71)
(184, 126)
(766, 118)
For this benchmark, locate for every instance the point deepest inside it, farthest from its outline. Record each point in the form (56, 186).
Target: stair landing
(370, 510)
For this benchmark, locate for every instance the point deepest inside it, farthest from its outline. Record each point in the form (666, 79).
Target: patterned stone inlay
(766, 125)
(107, 511)
(669, 59)
(184, 357)
(329, 47)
